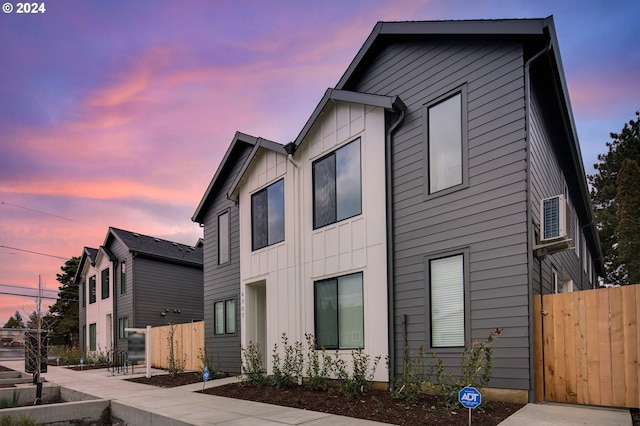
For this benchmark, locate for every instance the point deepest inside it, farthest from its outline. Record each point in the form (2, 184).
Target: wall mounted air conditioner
(554, 219)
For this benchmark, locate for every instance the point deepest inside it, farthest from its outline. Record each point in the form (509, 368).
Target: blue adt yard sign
(469, 397)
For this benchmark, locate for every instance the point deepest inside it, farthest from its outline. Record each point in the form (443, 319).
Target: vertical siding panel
(617, 347)
(630, 343)
(592, 348)
(604, 339)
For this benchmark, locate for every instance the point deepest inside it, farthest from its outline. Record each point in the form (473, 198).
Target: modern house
(129, 281)
(429, 196)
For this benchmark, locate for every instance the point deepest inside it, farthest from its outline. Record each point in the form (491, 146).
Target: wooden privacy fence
(188, 341)
(587, 347)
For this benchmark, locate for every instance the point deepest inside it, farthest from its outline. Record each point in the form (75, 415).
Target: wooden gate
(587, 347)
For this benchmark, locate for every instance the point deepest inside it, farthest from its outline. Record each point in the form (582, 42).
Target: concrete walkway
(178, 406)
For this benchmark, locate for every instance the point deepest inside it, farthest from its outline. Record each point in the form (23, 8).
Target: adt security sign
(469, 397)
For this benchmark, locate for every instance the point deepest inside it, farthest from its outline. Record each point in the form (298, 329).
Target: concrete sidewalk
(178, 406)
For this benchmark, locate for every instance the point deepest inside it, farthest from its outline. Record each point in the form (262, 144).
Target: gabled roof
(154, 247)
(261, 143)
(239, 141)
(536, 34)
(390, 103)
(88, 257)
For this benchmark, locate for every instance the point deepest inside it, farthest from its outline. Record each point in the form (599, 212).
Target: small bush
(413, 378)
(361, 377)
(10, 421)
(319, 365)
(286, 375)
(253, 371)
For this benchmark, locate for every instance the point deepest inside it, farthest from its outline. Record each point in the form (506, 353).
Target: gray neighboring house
(130, 280)
(486, 195)
(88, 258)
(218, 215)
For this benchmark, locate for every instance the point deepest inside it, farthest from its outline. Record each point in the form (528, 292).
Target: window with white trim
(446, 278)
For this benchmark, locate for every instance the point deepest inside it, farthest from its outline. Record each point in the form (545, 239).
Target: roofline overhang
(238, 138)
(261, 143)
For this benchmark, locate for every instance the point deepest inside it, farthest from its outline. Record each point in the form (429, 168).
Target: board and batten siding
(160, 285)
(487, 218)
(222, 282)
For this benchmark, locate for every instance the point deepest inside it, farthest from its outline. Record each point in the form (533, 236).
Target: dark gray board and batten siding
(488, 218)
(222, 282)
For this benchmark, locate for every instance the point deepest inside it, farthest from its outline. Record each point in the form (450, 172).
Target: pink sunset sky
(117, 113)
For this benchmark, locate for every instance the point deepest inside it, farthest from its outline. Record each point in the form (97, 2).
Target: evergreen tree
(628, 228)
(15, 321)
(604, 189)
(63, 315)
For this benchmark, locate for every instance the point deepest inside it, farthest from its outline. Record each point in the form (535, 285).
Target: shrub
(319, 368)
(413, 378)
(359, 381)
(10, 421)
(476, 365)
(285, 376)
(253, 369)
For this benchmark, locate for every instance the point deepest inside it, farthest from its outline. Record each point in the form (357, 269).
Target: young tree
(604, 191)
(63, 315)
(628, 228)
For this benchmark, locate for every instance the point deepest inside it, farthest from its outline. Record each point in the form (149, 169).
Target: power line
(28, 295)
(24, 287)
(35, 252)
(38, 211)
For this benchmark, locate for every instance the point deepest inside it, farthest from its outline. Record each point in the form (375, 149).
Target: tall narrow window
(104, 275)
(267, 216)
(339, 312)
(224, 317)
(92, 337)
(223, 238)
(337, 185)
(92, 289)
(447, 301)
(123, 278)
(444, 121)
(84, 293)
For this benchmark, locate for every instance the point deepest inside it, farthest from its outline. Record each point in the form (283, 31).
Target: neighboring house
(129, 281)
(87, 260)
(428, 198)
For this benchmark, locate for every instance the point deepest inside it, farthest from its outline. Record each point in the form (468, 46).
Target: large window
(446, 277)
(104, 278)
(224, 317)
(223, 238)
(123, 278)
(337, 186)
(123, 323)
(92, 289)
(339, 312)
(92, 337)
(267, 216)
(446, 142)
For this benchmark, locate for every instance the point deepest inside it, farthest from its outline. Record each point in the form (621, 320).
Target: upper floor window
(104, 275)
(339, 312)
(447, 157)
(267, 216)
(123, 278)
(92, 289)
(337, 185)
(223, 238)
(83, 294)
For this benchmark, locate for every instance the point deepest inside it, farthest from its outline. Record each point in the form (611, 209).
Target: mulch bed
(375, 405)
(180, 379)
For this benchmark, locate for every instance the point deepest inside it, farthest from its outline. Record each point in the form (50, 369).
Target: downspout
(290, 148)
(115, 326)
(530, 235)
(389, 231)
